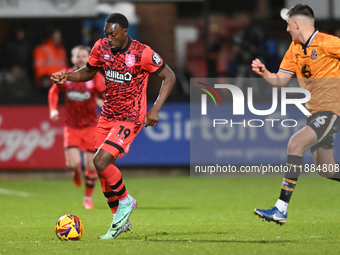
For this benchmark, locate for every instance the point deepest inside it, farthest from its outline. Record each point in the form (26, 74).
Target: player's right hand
(151, 118)
(258, 67)
(54, 115)
(59, 77)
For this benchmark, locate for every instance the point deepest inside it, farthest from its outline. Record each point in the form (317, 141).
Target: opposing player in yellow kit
(314, 58)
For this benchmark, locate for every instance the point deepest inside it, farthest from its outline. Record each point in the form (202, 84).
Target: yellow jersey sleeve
(332, 46)
(288, 65)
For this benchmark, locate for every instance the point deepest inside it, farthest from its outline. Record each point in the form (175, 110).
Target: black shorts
(325, 124)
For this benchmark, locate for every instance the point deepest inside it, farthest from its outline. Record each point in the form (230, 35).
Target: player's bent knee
(101, 162)
(98, 164)
(293, 147)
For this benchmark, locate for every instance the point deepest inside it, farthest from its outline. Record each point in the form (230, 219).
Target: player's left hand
(59, 77)
(258, 67)
(151, 118)
(54, 115)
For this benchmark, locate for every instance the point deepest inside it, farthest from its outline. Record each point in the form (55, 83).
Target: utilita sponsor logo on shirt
(115, 76)
(21, 144)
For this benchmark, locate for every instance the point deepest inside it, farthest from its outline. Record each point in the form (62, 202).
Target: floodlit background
(176, 214)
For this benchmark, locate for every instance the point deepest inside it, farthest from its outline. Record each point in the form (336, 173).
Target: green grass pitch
(175, 215)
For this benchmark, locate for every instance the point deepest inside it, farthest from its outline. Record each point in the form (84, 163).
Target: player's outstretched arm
(279, 79)
(169, 79)
(53, 98)
(80, 75)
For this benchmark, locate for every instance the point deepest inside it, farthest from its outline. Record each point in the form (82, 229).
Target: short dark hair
(301, 9)
(118, 18)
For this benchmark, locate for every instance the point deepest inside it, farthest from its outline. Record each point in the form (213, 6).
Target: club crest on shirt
(130, 60)
(314, 55)
(106, 56)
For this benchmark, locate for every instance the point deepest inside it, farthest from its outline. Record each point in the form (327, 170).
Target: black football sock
(294, 164)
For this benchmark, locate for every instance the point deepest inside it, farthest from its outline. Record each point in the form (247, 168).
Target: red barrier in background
(29, 139)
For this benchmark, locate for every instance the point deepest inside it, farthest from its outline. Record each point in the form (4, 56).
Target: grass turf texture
(176, 215)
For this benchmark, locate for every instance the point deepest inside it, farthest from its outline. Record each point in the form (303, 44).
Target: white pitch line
(13, 192)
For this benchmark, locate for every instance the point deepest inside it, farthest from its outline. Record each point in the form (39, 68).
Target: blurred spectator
(96, 34)
(212, 60)
(335, 32)
(16, 84)
(2, 88)
(49, 57)
(222, 49)
(17, 50)
(253, 43)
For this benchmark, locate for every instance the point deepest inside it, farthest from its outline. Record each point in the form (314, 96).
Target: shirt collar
(127, 46)
(309, 41)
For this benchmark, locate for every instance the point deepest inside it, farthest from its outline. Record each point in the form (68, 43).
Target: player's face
(116, 36)
(292, 29)
(80, 58)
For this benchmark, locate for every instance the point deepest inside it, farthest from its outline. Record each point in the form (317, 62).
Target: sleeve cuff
(286, 71)
(160, 69)
(92, 67)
